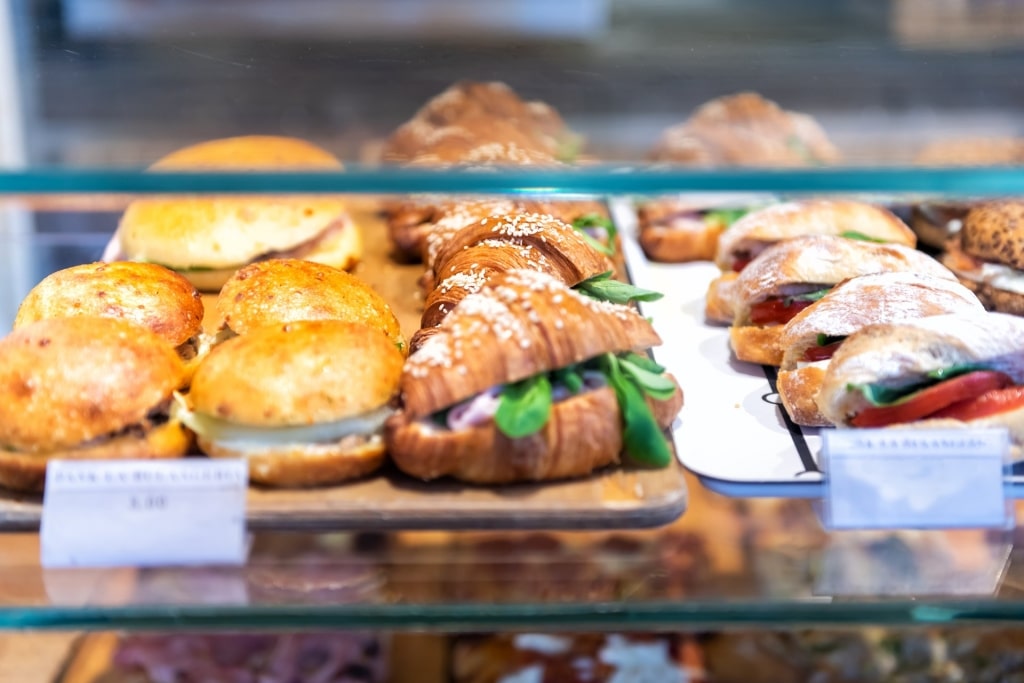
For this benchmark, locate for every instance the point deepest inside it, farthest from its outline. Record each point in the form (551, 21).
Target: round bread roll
(208, 238)
(289, 290)
(146, 294)
(256, 392)
(85, 387)
(993, 232)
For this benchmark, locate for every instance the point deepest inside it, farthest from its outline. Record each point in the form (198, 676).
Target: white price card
(144, 512)
(916, 478)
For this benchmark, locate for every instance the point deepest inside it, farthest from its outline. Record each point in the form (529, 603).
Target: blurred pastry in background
(977, 151)
(208, 238)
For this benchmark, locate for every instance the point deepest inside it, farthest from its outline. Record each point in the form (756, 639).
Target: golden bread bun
(759, 229)
(746, 130)
(893, 353)
(66, 381)
(521, 324)
(756, 344)
(680, 239)
(146, 294)
(798, 390)
(27, 471)
(203, 236)
(994, 231)
(306, 465)
(299, 373)
(289, 290)
(719, 301)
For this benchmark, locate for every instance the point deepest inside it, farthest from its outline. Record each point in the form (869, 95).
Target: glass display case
(907, 105)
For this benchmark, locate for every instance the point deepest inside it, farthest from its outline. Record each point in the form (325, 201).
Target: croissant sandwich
(811, 338)
(682, 229)
(528, 380)
(790, 276)
(942, 371)
(759, 230)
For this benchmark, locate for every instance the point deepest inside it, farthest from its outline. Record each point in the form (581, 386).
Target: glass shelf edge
(690, 616)
(592, 180)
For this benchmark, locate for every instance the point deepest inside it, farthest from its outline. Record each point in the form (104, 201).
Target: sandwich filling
(158, 416)
(960, 392)
(598, 232)
(748, 250)
(252, 439)
(781, 307)
(523, 408)
(995, 275)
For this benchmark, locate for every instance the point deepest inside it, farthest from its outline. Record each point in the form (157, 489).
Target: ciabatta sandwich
(940, 371)
(811, 338)
(790, 276)
(528, 380)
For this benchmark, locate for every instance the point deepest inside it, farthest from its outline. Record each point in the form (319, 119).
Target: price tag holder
(916, 479)
(144, 512)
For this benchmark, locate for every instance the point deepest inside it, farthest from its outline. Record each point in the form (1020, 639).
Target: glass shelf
(726, 563)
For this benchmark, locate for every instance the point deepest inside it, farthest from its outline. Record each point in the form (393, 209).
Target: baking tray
(616, 497)
(732, 432)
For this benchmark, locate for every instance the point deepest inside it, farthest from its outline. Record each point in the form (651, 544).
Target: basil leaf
(725, 217)
(524, 407)
(879, 395)
(855, 235)
(809, 296)
(593, 220)
(645, 362)
(603, 288)
(655, 385)
(643, 440)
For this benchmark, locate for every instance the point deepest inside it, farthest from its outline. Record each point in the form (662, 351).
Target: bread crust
(891, 353)
(145, 294)
(306, 465)
(20, 471)
(66, 381)
(756, 230)
(995, 299)
(798, 390)
(878, 298)
(994, 231)
(681, 240)
(719, 304)
(297, 373)
(824, 260)
(219, 233)
(289, 290)
(521, 324)
(755, 344)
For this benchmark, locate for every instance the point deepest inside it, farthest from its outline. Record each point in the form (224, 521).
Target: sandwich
(303, 402)
(939, 371)
(746, 130)
(145, 294)
(759, 230)
(790, 276)
(812, 337)
(207, 239)
(680, 229)
(987, 254)
(528, 380)
(488, 103)
(85, 388)
(278, 291)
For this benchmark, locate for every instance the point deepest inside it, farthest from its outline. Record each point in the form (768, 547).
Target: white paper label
(915, 478)
(144, 513)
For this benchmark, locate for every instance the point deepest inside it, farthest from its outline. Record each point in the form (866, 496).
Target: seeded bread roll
(851, 305)
(987, 254)
(290, 290)
(146, 294)
(85, 387)
(303, 402)
(207, 239)
(806, 264)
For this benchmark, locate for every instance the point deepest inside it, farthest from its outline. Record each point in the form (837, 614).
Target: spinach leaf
(643, 440)
(724, 216)
(825, 340)
(644, 362)
(603, 288)
(593, 220)
(809, 296)
(855, 235)
(524, 407)
(570, 377)
(655, 385)
(879, 395)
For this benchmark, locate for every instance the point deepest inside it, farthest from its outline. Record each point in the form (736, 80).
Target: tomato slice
(931, 400)
(776, 310)
(740, 263)
(990, 403)
(816, 353)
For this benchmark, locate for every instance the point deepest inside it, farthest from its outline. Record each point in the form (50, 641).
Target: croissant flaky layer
(521, 324)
